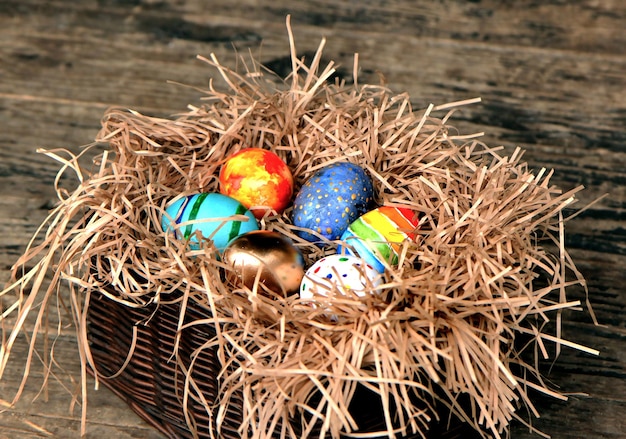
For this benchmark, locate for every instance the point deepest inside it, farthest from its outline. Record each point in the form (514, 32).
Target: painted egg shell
(377, 235)
(208, 213)
(257, 177)
(342, 272)
(270, 255)
(331, 199)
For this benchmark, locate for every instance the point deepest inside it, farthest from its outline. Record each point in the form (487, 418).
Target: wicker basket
(152, 382)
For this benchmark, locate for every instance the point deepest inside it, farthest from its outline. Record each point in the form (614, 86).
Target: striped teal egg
(210, 214)
(331, 199)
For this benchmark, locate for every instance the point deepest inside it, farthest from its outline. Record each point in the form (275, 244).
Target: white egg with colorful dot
(345, 274)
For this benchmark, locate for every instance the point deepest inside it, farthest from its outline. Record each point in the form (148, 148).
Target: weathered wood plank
(576, 119)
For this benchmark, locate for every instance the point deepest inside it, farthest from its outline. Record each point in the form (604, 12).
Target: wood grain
(551, 75)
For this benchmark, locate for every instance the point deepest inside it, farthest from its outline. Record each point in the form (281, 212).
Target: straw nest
(444, 326)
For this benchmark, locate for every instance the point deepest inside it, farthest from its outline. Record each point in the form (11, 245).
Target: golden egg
(268, 256)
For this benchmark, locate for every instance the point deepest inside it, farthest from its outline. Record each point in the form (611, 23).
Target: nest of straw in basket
(447, 322)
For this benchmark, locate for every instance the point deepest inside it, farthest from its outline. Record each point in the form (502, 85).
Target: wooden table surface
(551, 75)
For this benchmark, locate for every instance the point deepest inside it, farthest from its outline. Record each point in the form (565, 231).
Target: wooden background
(552, 76)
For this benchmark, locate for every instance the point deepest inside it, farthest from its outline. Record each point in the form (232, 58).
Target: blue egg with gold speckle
(331, 200)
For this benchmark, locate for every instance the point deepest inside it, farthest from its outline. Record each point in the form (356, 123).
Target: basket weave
(152, 383)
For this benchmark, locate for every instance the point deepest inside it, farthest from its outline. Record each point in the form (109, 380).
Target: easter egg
(331, 199)
(271, 256)
(257, 177)
(345, 274)
(377, 235)
(208, 213)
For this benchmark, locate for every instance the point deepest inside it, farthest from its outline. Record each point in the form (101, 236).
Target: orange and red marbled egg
(257, 177)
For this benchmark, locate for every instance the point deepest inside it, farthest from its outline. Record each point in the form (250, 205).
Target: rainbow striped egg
(377, 235)
(210, 214)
